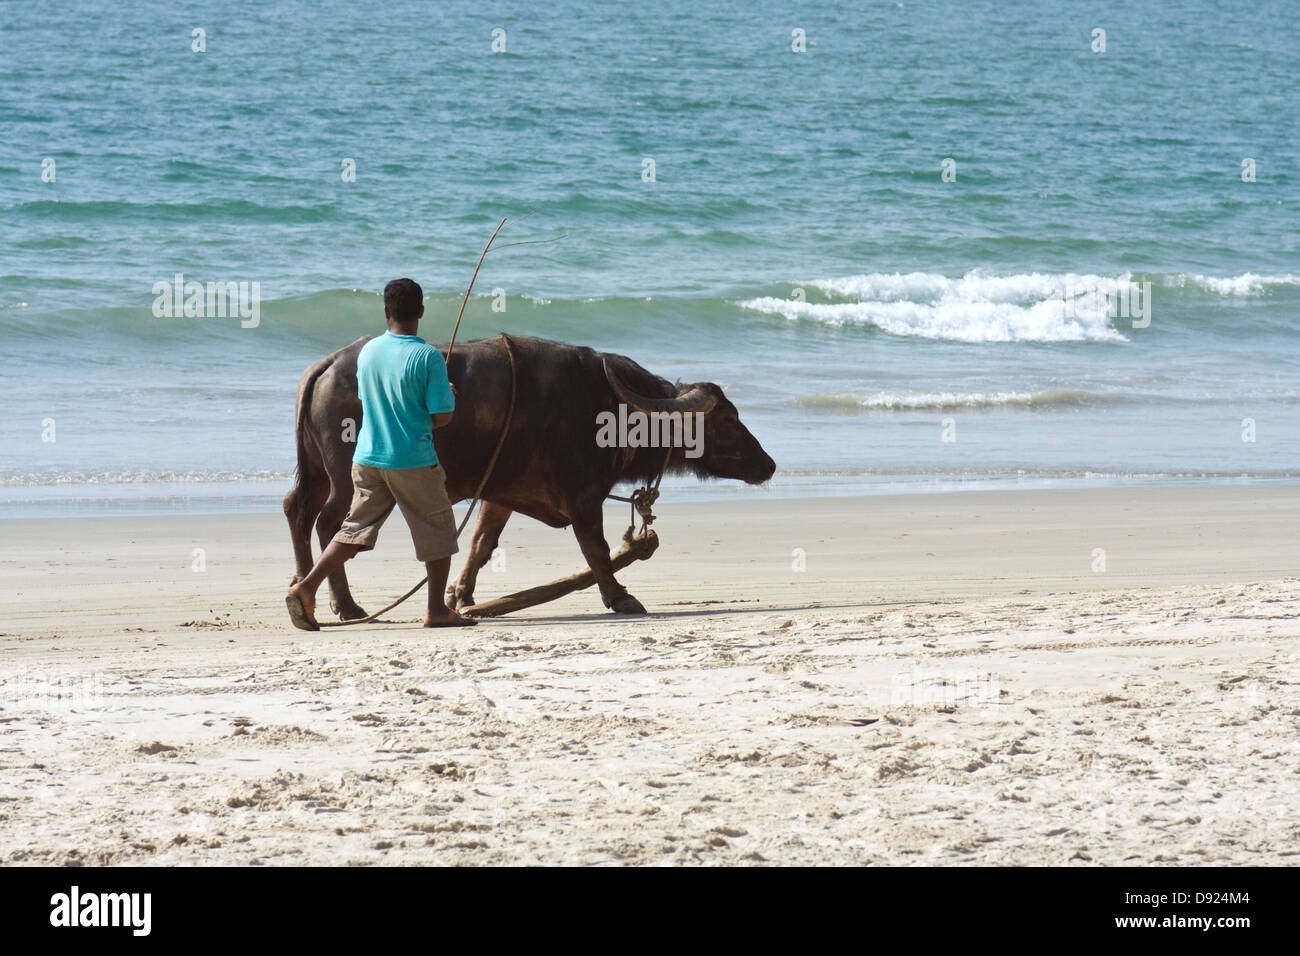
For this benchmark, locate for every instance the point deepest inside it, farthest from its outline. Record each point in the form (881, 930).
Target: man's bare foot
(302, 608)
(449, 619)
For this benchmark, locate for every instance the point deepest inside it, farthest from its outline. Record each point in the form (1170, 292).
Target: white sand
(948, 681)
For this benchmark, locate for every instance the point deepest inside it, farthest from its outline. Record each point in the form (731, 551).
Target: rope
(642, 501)
(501, 440)
(478, 493)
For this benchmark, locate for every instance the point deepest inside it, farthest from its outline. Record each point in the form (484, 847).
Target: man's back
(402, 381)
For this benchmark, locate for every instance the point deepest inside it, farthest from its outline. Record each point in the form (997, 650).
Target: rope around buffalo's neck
(642, 500)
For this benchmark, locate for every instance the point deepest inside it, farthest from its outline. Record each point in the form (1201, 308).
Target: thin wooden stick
(529, 242)
(637, 549)
(527, 214)
(452, 344)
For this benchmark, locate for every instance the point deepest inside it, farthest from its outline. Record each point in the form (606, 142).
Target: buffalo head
(729, 450)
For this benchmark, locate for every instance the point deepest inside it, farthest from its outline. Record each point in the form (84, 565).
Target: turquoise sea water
(798, 243)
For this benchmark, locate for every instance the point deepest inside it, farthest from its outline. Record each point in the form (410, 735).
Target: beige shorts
(421, 493)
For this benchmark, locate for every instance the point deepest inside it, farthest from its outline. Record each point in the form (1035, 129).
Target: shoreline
(201, 498)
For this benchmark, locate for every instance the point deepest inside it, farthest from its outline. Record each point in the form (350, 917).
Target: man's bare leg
(439, 614)
(331, 559)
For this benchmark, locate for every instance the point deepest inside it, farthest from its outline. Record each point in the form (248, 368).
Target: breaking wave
(909, 401)
(1248, 283)
(977, 307)
(1031, 307)
(82, 478)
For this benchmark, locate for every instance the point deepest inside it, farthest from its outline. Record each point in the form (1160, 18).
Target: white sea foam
(907, 400)
(32, 479)
(1248, 283)
(974, 308)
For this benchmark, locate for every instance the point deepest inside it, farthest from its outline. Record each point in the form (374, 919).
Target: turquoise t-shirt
(403, 382)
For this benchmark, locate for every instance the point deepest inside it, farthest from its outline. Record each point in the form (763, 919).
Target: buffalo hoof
(457, 598)
(348, 612)
(627, 604)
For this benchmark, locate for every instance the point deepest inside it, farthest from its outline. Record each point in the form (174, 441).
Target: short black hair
(403, 300)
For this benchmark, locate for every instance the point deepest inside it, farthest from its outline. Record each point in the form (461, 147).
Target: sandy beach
(1061, 677)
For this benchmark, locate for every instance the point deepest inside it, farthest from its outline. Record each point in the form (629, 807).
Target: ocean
(942, 246)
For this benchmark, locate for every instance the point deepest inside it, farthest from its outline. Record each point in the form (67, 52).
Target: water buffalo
(551, 466)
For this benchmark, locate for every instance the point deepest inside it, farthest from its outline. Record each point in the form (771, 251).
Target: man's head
(403, 303)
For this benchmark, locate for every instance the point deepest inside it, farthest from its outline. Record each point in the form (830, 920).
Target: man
(403, 382)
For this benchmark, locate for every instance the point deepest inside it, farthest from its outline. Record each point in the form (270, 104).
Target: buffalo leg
(301, 505)
(491, 520)
(588, 528)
